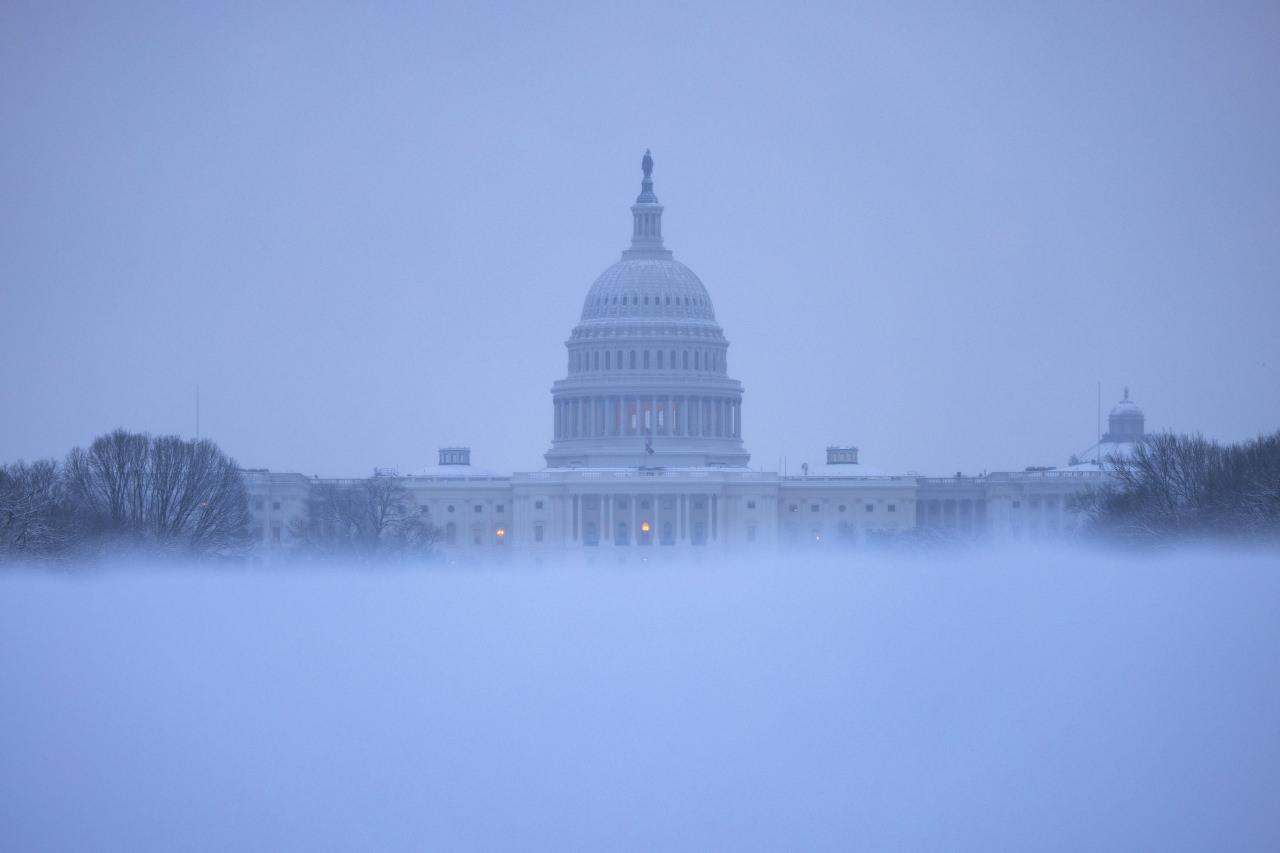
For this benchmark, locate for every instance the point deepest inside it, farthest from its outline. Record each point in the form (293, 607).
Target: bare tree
(1173, 486)
(164, 492)
(372, 518)
(33, 512)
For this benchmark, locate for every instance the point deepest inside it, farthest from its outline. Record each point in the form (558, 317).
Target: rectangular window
(477, 507)
(275, 504)
(871, 507)
(893, 507)
(537, 504)
(813, 507)
(275, 534)
(499, 507)
(537, 533)
(751, 504)
(258, 503)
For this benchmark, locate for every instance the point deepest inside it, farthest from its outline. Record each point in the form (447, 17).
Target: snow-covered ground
(1024, 701)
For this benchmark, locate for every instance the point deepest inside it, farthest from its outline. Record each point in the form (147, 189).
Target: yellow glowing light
(501, 532)
(644, 527)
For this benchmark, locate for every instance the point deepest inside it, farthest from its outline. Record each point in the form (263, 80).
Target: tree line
(126, 492)
(131, 493)
(1186, 486)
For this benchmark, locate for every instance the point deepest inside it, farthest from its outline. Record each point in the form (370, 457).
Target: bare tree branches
(126, 490)
(1178, 486)
(33, 515)
(374, 518)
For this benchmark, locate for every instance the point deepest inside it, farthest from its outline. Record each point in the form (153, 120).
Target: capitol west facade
(647, 450)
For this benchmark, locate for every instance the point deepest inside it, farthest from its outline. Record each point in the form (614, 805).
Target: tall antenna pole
(1097, 448)
(197, 411)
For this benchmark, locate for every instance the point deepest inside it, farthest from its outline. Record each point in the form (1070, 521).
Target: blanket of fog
(1031, 701)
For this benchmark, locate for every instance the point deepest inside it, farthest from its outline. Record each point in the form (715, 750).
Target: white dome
(648, 288)
(647, 381)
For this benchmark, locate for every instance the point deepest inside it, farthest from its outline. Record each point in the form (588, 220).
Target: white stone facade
(647, 453)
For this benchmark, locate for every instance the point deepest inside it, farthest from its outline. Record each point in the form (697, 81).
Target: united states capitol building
(647, 450)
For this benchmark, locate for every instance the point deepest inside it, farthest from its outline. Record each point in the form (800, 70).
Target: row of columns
(691, 522)
(604, 417)
(593, 360)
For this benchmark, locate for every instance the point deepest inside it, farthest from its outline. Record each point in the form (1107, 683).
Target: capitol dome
(648, 288)
(647, 382)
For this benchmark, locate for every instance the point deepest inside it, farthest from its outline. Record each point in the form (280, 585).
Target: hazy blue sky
(366, 231)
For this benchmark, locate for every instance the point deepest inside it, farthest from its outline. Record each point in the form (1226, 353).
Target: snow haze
(1022, 701)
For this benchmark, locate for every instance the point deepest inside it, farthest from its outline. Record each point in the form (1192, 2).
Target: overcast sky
(366, 231)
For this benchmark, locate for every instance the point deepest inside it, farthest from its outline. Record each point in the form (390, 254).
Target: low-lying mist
(1018, 700)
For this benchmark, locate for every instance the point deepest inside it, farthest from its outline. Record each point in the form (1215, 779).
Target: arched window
(606, 359)
(686, 359)
(619, 362)
(633, 359)
(659, 359)
(673, 359)
(646, 359)
(595, 360)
